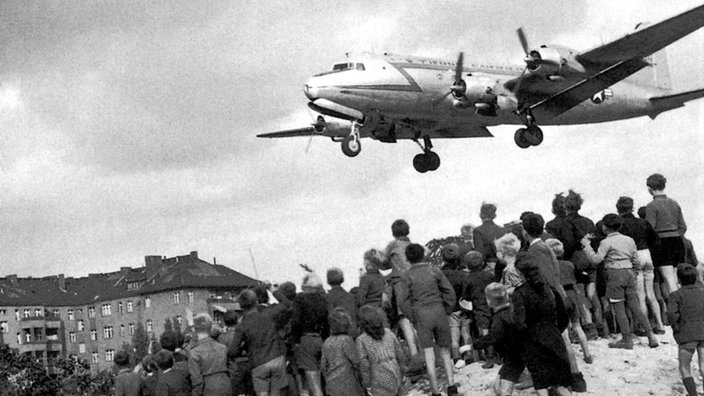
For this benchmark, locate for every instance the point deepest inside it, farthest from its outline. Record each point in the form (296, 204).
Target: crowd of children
(517, 296)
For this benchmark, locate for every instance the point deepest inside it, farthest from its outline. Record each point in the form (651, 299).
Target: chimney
(13, 279)
(124, 271)
(152, 262)
(194, 254)
(62, 282)
(215, 262)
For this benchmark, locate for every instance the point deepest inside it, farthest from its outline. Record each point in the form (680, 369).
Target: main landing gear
(351, 145)
(532, 135)
(428, 160)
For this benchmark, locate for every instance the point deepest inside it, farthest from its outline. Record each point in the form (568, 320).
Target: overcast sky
(128, 129)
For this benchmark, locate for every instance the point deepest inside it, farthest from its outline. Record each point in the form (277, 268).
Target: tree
(140, 342)
(168, 325)
(177, 326)
(23, 374)
(435, 246)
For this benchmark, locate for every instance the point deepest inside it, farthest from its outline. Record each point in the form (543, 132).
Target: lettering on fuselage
(601, 96)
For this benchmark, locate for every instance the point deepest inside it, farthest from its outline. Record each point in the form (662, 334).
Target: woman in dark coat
(540, 318)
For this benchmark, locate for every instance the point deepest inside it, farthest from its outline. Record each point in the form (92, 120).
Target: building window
(150, 327)
(80, 311)
(3, 312)
(17, 315)
(72, 337)
(177, 297)
(38, 312)
(130, 328)
(70, 314)
(109, 354)
(26, 313)
(80, 324)
(179, 320)
(19, 338)
(28, 337)
(107, 332)
(191, 297)
(56, 313)
(4, 327)
(130, 307)
(91, 312)
(94, 335)
(106, 309)
(119, 307)
(147, 302)
(81, 348)
(94, 357)
(122, 330)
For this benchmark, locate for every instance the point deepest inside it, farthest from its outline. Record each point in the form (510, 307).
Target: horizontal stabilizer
(678, 99)
(290, 133)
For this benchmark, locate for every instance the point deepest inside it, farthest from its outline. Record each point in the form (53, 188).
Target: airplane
(388, 97)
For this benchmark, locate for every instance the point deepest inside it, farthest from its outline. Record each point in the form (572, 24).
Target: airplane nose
(311, 90)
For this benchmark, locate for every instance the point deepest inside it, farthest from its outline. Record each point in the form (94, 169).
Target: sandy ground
(615, 372)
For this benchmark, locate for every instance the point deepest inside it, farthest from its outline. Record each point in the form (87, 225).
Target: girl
(340, 361)
(380, 354)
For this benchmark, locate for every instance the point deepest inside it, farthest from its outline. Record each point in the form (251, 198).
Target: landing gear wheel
(520, 138)
(534, 135)
(433, 161)
(421, 163)
(351, 146)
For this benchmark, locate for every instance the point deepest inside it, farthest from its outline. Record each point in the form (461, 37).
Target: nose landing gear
(428, 160)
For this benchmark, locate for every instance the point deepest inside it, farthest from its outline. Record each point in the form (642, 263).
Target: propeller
(459, 87)
(533, 58)
(318, 127)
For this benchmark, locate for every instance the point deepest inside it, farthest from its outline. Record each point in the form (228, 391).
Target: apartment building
(92, 317)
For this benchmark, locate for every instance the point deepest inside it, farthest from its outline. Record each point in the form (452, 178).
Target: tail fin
(657, 75)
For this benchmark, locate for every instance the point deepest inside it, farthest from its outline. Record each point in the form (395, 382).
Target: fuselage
(416, 88)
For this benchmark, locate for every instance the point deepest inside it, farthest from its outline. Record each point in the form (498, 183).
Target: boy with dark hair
(458, 319)
(620, 257)
(486, 234)
(171, 382)
(127, 382)
(686, 313)
(426, 297)
(338, 297)
(395, 250)
(476, 282)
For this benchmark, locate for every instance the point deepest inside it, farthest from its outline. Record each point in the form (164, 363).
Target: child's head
(687, 274)
(573, 201)
(507, 246)
(415, 253)
(624, 205)
(231, 318)
(487, 211)
(203, 323)
(556, 247)
(496, 295)
(247, 299)
(149, 365)
(311, 283)
(262, 294)
(611, 223)
(372, 321)
(528, 267)
(641, 212)
(122, 359)
(340, 322)
(374, 260)
(467, 232)
(335, 276)
(533, 224)
(558, 205)
(656, 182)
(473, 260)
(164, 359)
(400, 228)
(451, 255)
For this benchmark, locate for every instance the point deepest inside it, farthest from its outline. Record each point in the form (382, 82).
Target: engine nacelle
(481, 89)
(554, 60)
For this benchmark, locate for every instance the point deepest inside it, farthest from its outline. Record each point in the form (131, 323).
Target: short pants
(431, 324)
(270, 376)
(309, 352)
(620, 284)
(669, 251)
(691, 346)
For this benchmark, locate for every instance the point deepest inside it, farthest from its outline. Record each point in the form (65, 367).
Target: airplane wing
(611, 63)
(290, 133)
(646, 41)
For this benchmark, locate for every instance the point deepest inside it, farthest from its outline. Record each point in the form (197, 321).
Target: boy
(171, 382)
(686, 314)
(620, 257)
(477, 281)
(127, 382)
(426, 297)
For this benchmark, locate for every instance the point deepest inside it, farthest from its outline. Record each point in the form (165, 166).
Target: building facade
(94, 317)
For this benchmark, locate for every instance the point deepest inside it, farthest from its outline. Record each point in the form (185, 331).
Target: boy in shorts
(686, 314)
(426, 297)
(620, 257)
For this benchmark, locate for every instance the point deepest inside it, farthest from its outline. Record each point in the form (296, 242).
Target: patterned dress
(381, 364)
(341, 366)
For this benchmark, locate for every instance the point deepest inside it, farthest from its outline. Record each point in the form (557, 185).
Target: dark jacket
(256, 334)
(686, 313)
(310, 315)
(547, 264)
(640, 230)
(128, 383)
(503, 335)
(424, 286)
(476, 283)
(173, 382)
(458, 280)
(484, 237)
(338, 297)
(577, 226)
(371, 286)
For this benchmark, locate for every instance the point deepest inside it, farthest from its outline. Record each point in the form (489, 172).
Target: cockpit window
(339, 67)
